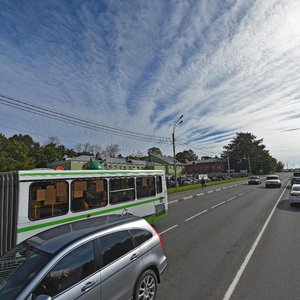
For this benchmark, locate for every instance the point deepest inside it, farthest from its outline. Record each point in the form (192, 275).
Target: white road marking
(161, 233)
(217, 190)
(225, 187)
(250, 253)
(201, 194)
(241, 194)
(173, 201)
(200, 213)
(187, 197)
(218, 204)
(231, 198)
(208, 192)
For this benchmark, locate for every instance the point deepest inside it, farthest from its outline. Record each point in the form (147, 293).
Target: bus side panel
(9, 191)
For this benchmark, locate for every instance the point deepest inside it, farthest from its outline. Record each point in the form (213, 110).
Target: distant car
(273, 181)
(294, 196)
(254, 180)
(107, 257)
(170, 183)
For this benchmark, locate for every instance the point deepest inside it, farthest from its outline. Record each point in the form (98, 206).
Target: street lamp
(179, 121)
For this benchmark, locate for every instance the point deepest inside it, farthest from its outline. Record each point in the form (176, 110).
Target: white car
(254, 180)
(273, 180)
(294, 196)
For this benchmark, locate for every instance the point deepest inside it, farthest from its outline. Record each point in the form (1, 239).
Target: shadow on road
(285, 205)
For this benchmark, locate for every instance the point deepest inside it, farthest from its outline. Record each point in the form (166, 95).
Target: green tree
(186, 155)
(246, 152)
(154, 151)
(15, 154)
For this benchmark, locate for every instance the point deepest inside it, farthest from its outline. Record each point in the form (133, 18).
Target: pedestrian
(202, 181)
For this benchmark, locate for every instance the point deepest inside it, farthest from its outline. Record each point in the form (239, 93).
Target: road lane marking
(231, 198)
(201, 194)
(161, 233)
(173, 201)
(205, 193)
(218, 205)
(225, 187)
(250, 253)
(200, 213)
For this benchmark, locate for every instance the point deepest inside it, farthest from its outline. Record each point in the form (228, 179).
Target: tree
(15, 154)
(186, 155)
(205, 157)
(53, 140)
(246, 152)
(154, 151)
(112, 150)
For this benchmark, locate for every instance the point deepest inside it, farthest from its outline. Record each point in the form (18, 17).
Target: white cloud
(229, 66)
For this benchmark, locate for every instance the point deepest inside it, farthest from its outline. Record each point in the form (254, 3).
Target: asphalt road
(232, 241)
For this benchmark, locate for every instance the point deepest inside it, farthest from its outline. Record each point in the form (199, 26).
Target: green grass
(198, 185)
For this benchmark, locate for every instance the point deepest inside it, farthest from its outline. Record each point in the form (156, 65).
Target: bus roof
(48, 173)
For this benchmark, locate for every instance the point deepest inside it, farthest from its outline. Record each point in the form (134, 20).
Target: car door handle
(134, 256)
(88, 286)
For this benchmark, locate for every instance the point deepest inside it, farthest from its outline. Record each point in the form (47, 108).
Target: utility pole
(179, 121)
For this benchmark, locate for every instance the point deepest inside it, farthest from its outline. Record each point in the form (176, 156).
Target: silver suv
(108, 257)
(273, 181)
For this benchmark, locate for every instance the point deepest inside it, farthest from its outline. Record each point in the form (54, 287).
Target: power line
(197, 149)
(75, 120)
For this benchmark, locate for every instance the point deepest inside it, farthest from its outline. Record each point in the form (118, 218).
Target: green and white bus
(36, 200)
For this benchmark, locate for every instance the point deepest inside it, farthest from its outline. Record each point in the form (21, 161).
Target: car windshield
(296, 188)
(254, 177)
(272, 177)
(18, 267)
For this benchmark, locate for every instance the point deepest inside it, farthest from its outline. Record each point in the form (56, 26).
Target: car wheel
(146, 286)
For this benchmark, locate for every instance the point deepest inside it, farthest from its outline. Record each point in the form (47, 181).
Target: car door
(121, 265)
(74, 276)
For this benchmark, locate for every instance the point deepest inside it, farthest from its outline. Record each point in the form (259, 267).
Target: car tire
(146, 286)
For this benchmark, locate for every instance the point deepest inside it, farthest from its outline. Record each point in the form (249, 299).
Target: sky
(227, 66)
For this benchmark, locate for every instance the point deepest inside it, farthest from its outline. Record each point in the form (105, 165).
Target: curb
(201, 194)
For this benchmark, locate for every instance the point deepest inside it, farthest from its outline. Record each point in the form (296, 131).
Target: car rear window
(296, 188)
(140, 236)
(272, 177)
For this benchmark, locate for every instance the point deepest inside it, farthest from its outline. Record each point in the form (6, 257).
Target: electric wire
(75, 120)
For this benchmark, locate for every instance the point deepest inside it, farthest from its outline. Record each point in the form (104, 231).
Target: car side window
(115, 245)
(140, 236)
(72, 268)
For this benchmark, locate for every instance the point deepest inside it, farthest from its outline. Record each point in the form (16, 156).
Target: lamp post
(179, 121)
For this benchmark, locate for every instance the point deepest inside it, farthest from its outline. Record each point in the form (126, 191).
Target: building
(206, 166)
(76, 163)
(168, 162)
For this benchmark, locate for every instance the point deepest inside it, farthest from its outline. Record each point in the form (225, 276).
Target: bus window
(48, 199)
(158, 185)
(88, 194)
(121, 190)
(145, 186)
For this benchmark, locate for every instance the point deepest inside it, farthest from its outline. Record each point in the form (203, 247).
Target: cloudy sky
(227, 66)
